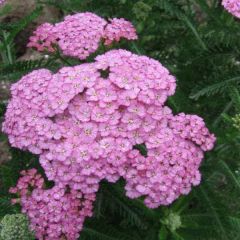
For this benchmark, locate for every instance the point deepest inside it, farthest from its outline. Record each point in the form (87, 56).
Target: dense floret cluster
(117, 29)
(80, 34)
(15, 227)
(87, 121)
(44, 38)
(53, 213)
(232, 6)
(84, 121)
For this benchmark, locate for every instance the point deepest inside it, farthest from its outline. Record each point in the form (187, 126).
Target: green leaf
(235, 96)
(214, 213)
(26, 66)
(163, 233)
(195, 32)
(215, 88)
(5, 10)
(21, 25)
(231, 174)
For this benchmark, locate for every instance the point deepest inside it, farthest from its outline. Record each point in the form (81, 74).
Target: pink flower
(82, 153)
(85, 129)
(123, 145)
(107, 144)
(132, 121)
(51, 211)
(44, 38)
(88, 132)
(137, 108)
(80, 35)
(99, 115)
(119, 28)
(232, 6)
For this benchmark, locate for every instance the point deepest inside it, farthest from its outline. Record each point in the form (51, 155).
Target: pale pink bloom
(232, 6)
(88, 132)
(99, 115)
(132, 121)
(123, 145)
(80, 35)
(137, 108)
(119, 28)
(44, 38)
(117, 159)
(85, 127)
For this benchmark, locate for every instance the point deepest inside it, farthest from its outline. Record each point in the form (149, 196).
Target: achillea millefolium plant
(101, 109)
(85, 126)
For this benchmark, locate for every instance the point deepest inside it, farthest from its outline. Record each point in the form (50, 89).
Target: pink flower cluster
(44, 38)
(53, 213)
(84, 121)
(2, 2)
(232, 6)
(119, 28)
(80, 34)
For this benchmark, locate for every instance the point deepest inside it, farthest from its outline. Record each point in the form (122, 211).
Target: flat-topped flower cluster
(232, 6)
(80, 34)
(54, 212)
(84, 122)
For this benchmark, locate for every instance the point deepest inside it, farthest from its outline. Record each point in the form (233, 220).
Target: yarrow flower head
(54, 213)
(232, 6)
(80, 34)
(84, 126)
(117, 29)
(85, 122)
(44, 38)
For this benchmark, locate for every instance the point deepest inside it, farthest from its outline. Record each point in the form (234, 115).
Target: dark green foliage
(20, 26)
(199, 42)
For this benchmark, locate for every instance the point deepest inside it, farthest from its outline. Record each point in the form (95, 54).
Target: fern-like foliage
(20, 26)
(216, 88)
(22, 67)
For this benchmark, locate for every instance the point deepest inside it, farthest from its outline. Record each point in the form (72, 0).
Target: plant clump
(85, 126)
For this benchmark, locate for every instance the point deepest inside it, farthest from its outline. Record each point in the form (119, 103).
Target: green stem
(63, 59)
(8, 48)
(9, 54)
(163, 233)
(136, 48)
(4, 46)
